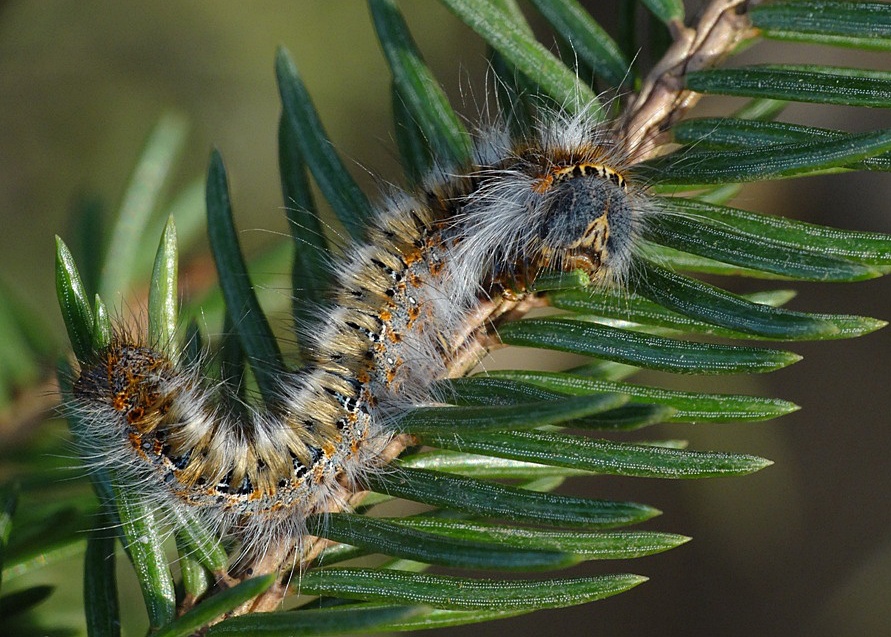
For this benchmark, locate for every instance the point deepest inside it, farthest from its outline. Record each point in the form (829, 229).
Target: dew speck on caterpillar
(404, 306)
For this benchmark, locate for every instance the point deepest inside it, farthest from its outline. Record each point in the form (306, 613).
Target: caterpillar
(559, 200)
(414, 302)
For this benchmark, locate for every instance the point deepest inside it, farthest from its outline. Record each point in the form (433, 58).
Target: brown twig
(663, 98)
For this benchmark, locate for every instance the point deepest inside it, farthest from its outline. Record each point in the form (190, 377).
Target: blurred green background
(802, 548)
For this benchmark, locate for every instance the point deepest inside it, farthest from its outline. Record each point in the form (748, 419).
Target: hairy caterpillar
(401, 305)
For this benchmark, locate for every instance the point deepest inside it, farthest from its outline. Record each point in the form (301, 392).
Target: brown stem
(663, 98)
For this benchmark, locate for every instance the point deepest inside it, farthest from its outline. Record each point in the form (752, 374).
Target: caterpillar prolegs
(401, 309)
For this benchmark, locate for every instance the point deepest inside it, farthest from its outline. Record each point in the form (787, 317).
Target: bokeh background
(802, 548)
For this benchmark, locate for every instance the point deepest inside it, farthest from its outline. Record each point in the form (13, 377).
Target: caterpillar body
(400, 309)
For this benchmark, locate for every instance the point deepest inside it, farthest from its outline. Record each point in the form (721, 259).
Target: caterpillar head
(588, 222)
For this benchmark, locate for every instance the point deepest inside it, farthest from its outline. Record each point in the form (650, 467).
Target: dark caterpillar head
(589, 221)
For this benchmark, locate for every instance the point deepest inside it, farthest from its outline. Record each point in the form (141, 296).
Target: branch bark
(663, 98)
